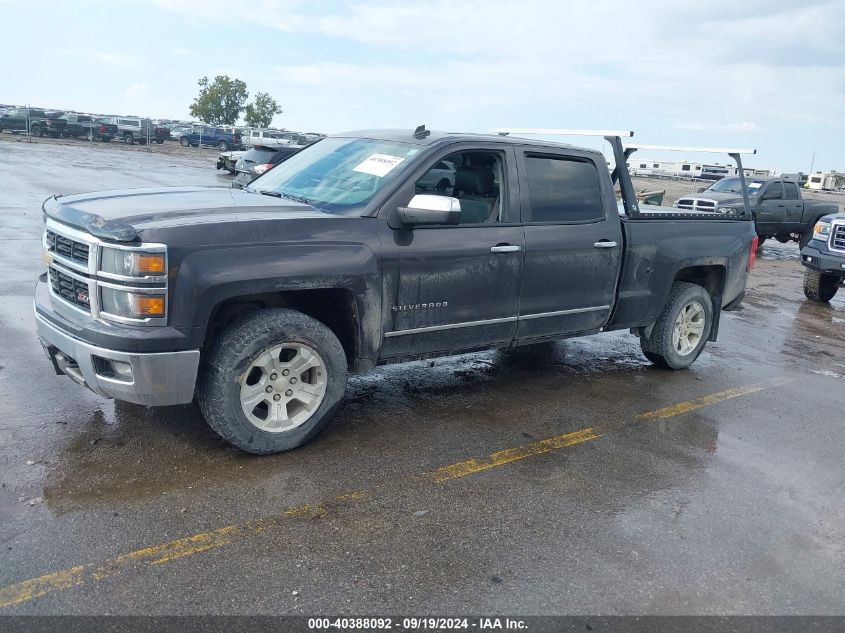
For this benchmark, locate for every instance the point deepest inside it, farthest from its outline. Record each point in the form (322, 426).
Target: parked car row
(94, 127)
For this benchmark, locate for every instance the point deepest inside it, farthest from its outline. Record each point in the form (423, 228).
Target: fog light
(114, 369)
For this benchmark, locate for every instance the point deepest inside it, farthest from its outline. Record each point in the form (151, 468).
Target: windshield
(734, 185)
(338, 175)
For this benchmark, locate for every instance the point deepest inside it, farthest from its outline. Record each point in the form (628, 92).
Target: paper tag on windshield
(378, 164)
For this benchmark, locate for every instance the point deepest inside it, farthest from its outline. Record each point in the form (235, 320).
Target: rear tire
(820, 286)
(129, 138)
(223, 146)
(681, 332)
(36, 130)
(234, 365)
(160, 141)
(184, 142)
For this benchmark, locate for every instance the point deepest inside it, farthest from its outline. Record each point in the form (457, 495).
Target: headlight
(131, 305)
(129, 263)
(727, 210)
(821, 231)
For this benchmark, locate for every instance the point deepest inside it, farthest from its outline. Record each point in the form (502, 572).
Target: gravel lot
(716, 490)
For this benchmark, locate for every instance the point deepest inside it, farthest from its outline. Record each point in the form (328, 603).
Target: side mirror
(426, 209)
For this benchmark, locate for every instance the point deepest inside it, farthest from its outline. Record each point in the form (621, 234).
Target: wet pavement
(714, 490)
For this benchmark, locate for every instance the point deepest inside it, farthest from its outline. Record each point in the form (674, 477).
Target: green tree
(221, 101)
(260, 112)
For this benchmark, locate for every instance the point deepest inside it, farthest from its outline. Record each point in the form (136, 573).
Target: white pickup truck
(263, 136)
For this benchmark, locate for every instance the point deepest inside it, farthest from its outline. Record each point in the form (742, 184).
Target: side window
(685, 167)
(774, 192)
(790, 191)
(563, 190)
(475, 178)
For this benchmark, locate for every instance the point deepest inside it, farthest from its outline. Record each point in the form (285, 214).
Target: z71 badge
(421, 306)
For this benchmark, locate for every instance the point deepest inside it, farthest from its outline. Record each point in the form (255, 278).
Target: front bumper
(815, 259)
(153, 379)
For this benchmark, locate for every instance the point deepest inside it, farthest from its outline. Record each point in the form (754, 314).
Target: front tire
(820, 286)
(184, 142)
(682, 329)
(272, 381)
(804, 239)
(129, 138)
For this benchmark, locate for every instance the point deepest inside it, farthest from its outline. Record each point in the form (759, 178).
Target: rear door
(794, 205)
(573, 242)
(457, 287)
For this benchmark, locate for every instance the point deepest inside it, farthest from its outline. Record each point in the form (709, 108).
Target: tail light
(752, 254)
(260, 169)
(101, 128)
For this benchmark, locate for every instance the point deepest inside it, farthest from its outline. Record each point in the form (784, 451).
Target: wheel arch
(712, 277)
(336, 308)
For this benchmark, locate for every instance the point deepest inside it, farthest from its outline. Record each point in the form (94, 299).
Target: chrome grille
(696, 204)
(70, 289)
(837, 237)
(67, 248)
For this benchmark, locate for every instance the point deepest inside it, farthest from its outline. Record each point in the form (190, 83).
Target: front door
(573, 241)
(457, 287)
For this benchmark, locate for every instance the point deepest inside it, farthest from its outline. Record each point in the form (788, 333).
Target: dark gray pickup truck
(257, 302)
(778, 208)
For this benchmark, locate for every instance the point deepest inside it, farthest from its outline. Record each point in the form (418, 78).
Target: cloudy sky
(765, 74)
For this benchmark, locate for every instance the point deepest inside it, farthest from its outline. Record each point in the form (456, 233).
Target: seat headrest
(474, 180)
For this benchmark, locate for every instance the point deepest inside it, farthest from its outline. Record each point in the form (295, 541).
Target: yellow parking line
(31, 589)
(684, 407)
(500, 458)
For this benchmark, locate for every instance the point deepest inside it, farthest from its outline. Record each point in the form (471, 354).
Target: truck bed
(655, 251)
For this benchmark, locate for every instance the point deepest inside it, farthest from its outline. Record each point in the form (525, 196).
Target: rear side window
(563, 190)
(790, 190)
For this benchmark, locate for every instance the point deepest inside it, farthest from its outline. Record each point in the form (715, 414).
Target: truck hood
(120, 215)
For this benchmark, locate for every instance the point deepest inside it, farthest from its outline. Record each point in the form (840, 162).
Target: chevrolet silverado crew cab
(258, 301)
(824, 258)
(776, 204)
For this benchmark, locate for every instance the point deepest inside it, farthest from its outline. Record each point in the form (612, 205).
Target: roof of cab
(437, 138)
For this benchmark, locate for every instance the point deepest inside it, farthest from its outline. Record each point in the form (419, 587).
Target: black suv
(259, 160)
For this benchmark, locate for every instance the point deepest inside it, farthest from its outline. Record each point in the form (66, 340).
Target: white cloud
(686, 75)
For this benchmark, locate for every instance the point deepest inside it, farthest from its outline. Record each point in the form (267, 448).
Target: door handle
(605, 244)
(505, 248)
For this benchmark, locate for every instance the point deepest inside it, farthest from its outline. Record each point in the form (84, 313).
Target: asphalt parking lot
(565, 478)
